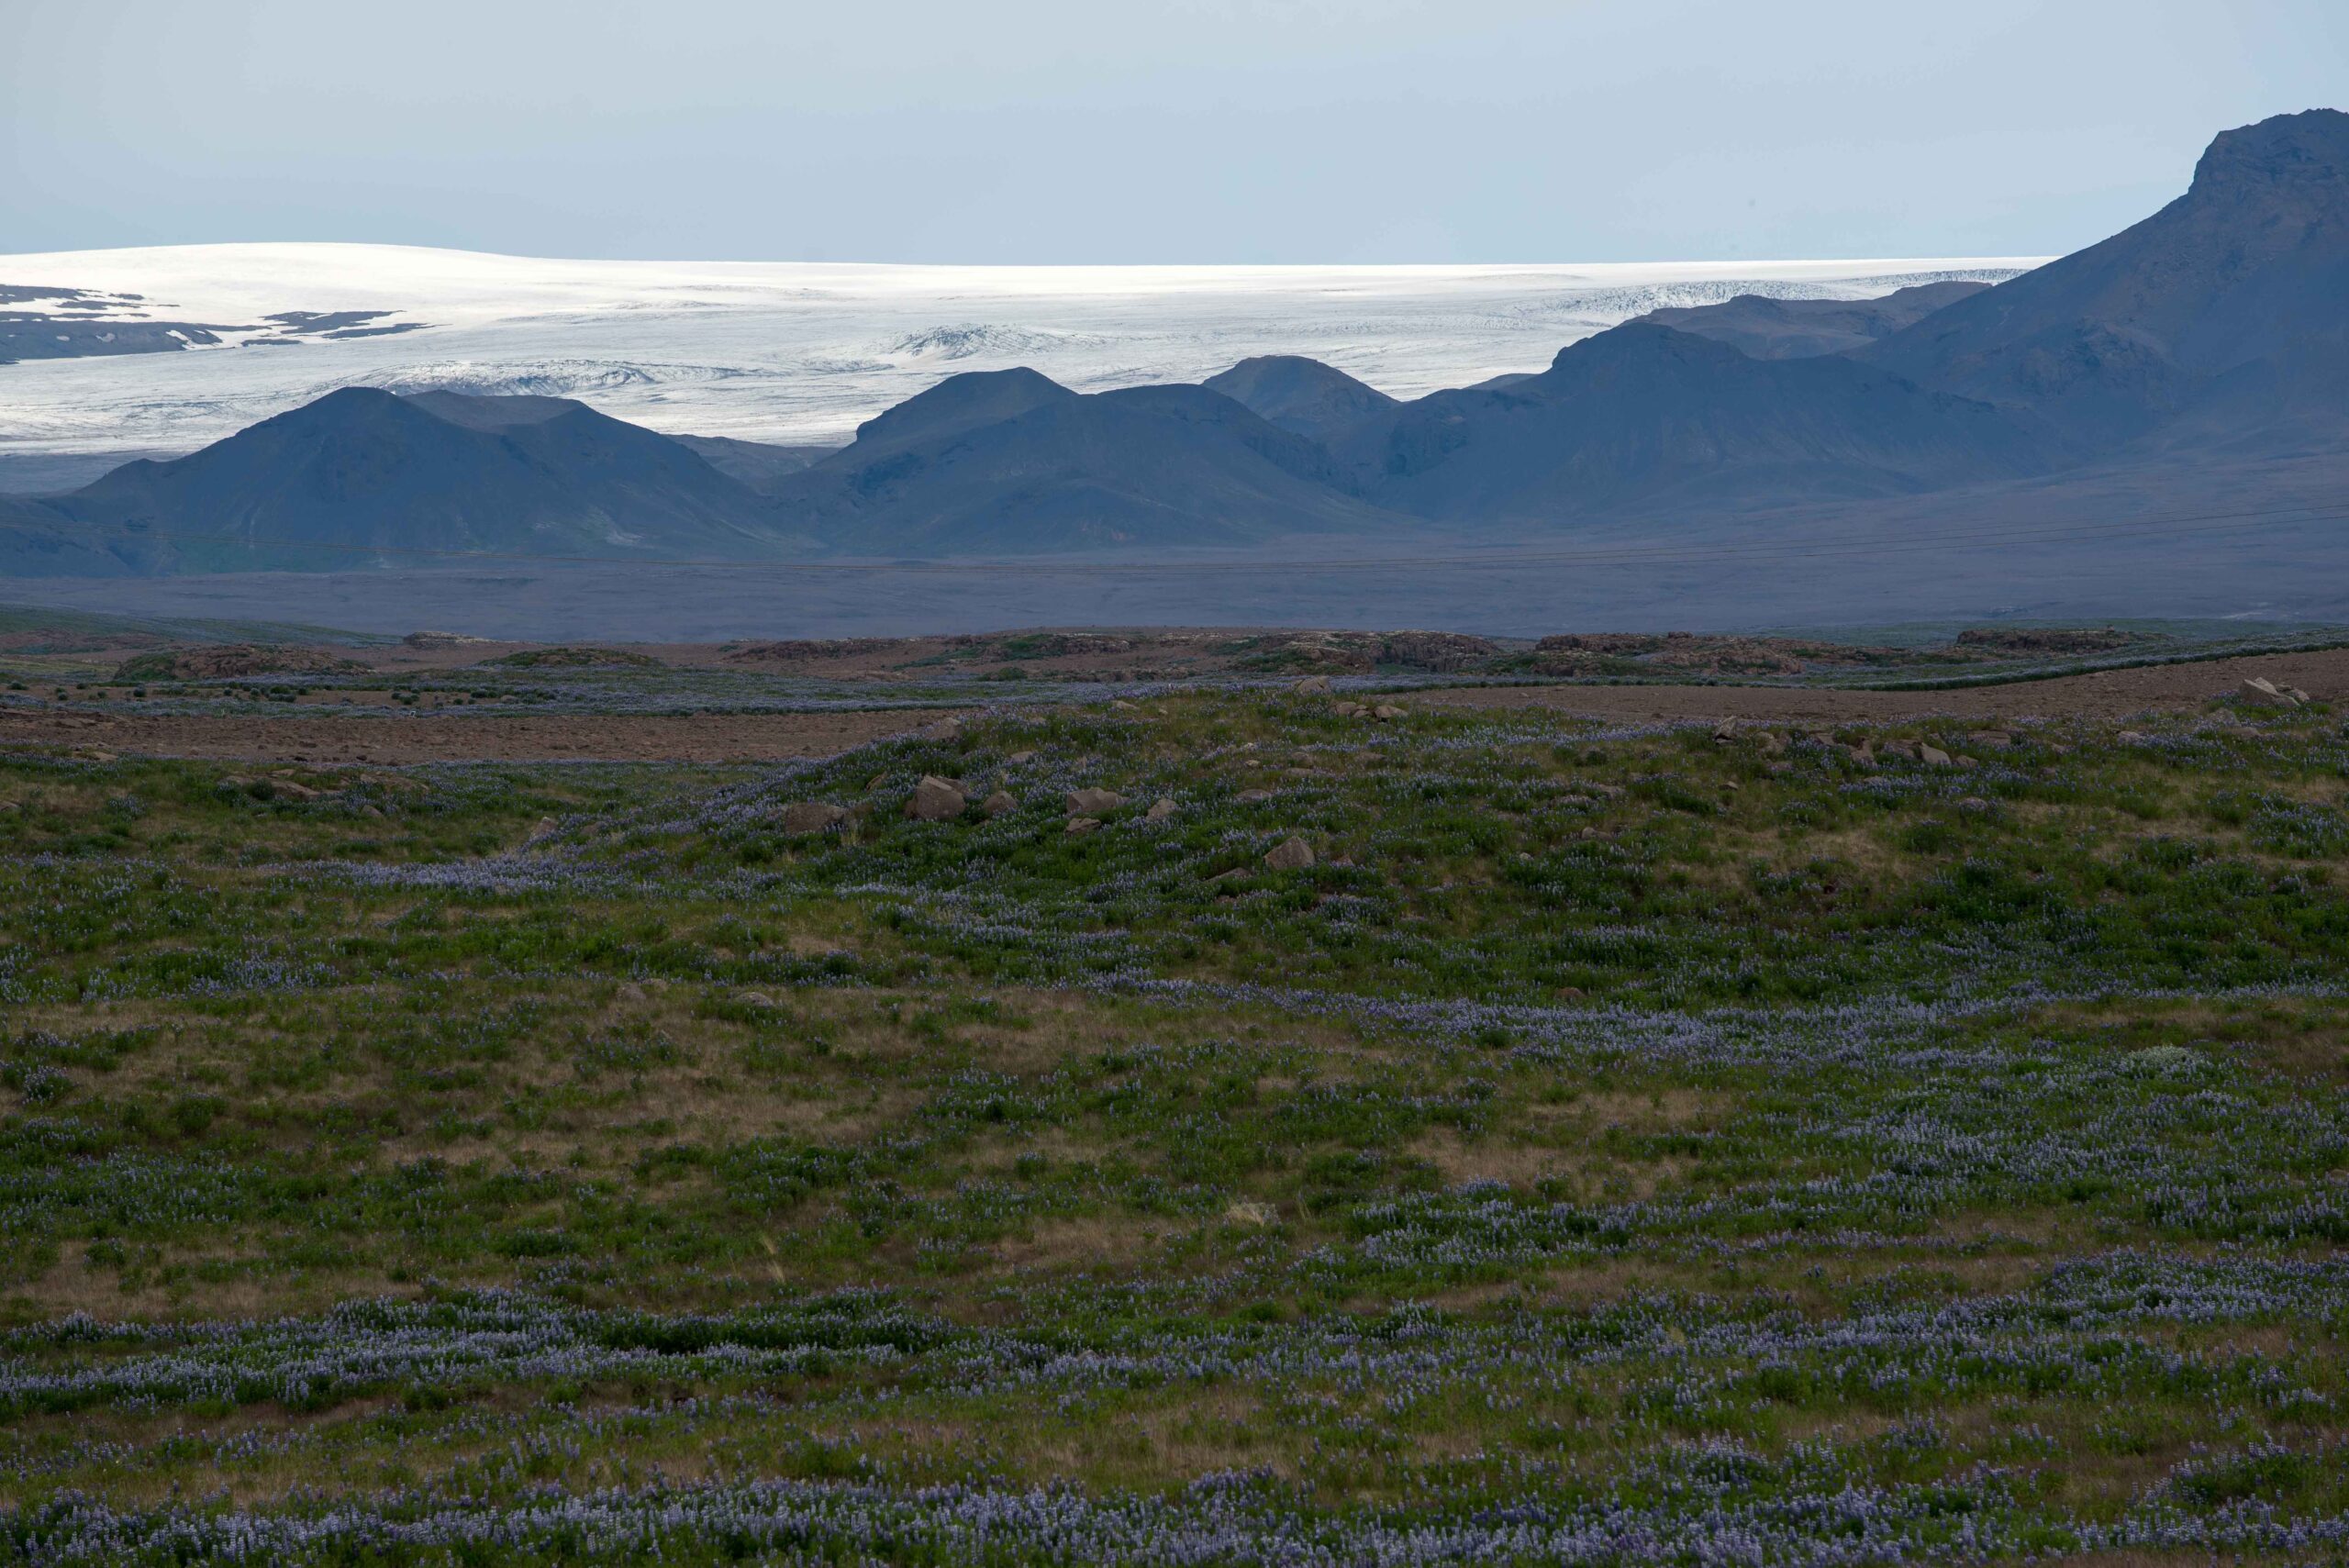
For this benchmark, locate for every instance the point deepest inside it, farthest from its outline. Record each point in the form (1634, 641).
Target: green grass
(1616, 1134)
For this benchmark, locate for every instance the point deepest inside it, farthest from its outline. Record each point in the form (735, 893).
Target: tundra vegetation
(1628, 1144)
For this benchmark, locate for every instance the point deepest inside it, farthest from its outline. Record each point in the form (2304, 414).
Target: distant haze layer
(773, 352)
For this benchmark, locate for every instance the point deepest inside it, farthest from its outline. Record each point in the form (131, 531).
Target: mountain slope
(362, 472)
(969, 401)
(37, 541)
(1301, 396)
(1644, 415)
(758, 464)
(1154, 466)
(2218, 307)
(1769, 328)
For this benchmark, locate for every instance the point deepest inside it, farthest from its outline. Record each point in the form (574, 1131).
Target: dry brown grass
(1083, 1244)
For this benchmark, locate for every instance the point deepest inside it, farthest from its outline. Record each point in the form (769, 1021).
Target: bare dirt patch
(2099, 695)
(482, 738)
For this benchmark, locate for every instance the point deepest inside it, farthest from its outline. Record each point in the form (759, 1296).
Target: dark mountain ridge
(1769, 328)
(1644, 416)
(1167, 467)
(2235, 290)
(362, 473)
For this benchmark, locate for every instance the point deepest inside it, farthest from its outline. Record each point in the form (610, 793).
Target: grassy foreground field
(1624, 1143)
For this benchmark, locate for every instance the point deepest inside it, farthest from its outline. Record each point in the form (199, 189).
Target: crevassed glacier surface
(793, 351)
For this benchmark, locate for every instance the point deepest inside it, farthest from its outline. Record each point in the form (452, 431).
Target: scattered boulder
(1251, 796)
(1292, 854)
(1387, 712)
(1160, 811)
(1083, 824)
(811, 817)
(1933, 756)
(943, 729)
(1016, 758)
(1002, 803)
(1772, 743)
(935, 800)
(1313, 686)
(1091, 802)
(2261, 692)
(1351, 709)
(1903, 750)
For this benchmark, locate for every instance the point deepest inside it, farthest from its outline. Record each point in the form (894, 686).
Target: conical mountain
(363, 475)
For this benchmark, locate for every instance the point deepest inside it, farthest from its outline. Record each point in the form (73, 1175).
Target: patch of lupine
(2084, 1331)
(1811, 1512)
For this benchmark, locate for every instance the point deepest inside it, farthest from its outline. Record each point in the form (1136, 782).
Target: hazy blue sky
(1126, 130)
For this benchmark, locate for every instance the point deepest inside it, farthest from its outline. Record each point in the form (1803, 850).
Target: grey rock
(1292, 854)
(811, 817)
(935, 800)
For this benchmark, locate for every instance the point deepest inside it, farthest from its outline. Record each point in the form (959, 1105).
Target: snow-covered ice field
(802, 351)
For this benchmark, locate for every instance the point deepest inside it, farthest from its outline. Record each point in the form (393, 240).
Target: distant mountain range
(2218, 326)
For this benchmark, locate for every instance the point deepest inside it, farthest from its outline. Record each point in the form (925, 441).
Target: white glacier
(803, 351)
